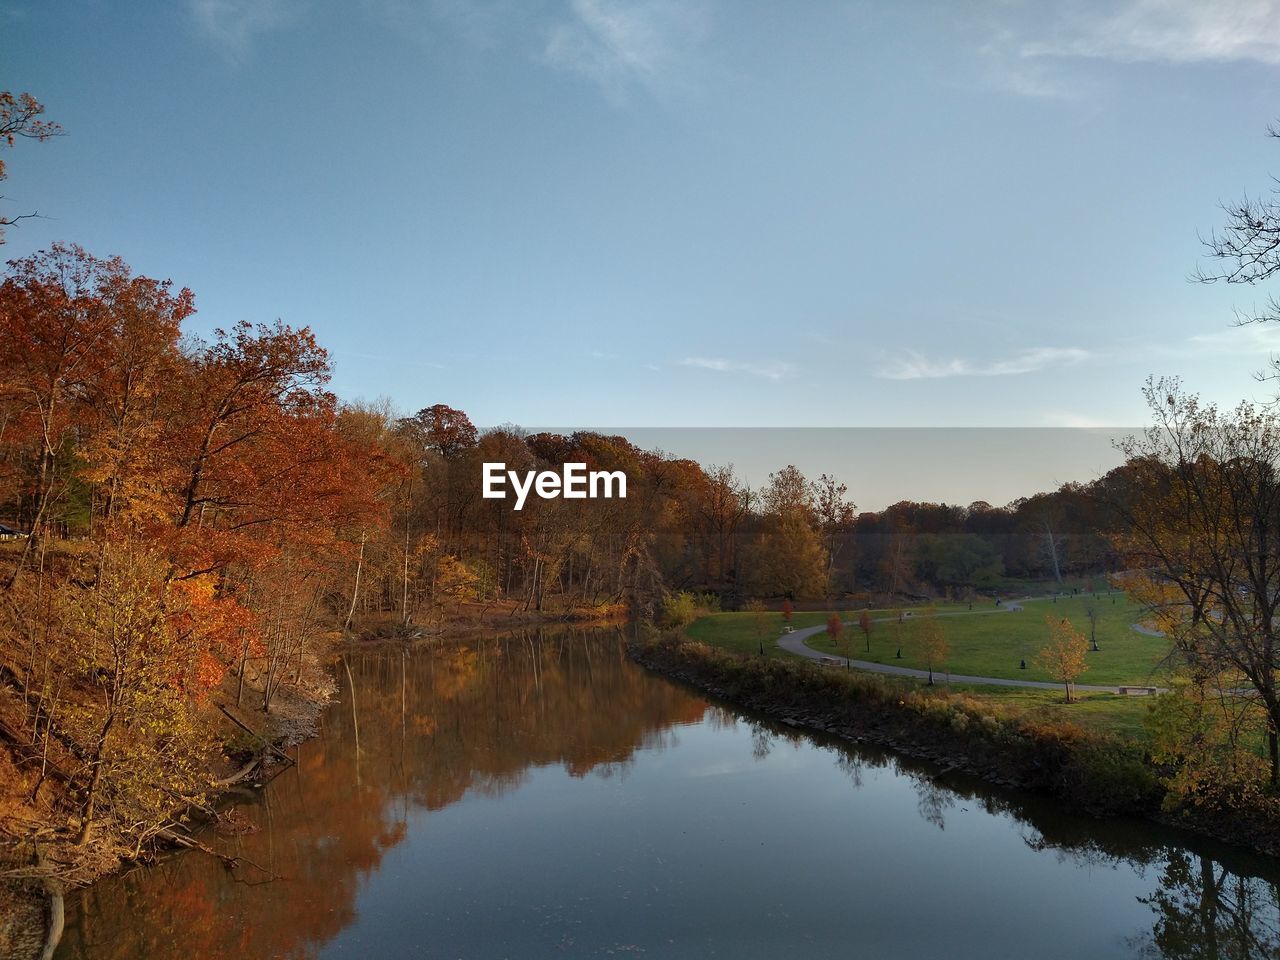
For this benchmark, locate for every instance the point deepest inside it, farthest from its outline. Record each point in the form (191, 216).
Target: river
(543, 796)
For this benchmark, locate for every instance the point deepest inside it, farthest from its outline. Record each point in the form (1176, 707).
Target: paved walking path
(795, 643)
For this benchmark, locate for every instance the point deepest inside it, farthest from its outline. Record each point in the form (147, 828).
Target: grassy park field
(995, 644)
(985, 641)
(747, 632)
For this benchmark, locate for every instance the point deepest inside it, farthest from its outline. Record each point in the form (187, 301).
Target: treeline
(686, 527)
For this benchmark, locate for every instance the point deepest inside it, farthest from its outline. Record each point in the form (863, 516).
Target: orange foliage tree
(217, 500)
(866, 624)
(835, 627)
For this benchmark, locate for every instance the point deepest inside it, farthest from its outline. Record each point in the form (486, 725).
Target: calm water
(544, 797)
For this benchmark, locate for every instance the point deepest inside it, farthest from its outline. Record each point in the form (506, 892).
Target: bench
(1137, 691)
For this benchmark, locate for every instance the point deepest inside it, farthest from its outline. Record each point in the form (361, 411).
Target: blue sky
(649, 213)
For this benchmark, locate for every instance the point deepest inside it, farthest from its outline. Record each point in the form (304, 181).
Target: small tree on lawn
(787, 610)
(864, 624)
(1091, 611)
(835, 627)
(932, 639)
(1064, 655)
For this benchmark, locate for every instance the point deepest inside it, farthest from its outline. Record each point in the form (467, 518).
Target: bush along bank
(41, 854)
(1096, 773)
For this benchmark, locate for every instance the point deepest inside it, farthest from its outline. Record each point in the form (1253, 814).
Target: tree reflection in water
(439, 724)
(1203, 909)
(433, 725)
(1204, 912)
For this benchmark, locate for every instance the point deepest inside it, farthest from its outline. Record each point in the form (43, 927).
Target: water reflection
(1204, 911)
(543, 796)
(422, 730)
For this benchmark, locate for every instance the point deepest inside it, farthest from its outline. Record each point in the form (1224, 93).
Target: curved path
(795, 643)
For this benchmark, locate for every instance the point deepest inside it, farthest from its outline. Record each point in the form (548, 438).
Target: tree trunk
(1273, 753)
(91, 794)
(1053, 552)
(355, 591)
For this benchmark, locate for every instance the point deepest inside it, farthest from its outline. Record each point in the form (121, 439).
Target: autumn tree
(835, 627)
(1203, 532)
(444, 429)
(931, 641)
(88, 348)
(720, 505)
(1063, 657)
(835, 517)
(789, 556)
(248, 393)
(866, 624)
(20, 117)
(446, 441)
(1202, 735)
(152, 649)
(456, 581)
(217, 497)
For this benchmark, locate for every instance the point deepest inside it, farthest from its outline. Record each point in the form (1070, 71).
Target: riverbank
(251, 750)
(32, 878)
(1098, 773)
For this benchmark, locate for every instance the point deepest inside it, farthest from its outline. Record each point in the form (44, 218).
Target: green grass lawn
(1106, 712)
(987, 642)
(994, 644)
(741, 632)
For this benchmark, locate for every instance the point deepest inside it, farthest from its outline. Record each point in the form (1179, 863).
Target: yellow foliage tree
(456, 582)
(139, 640)
(1063, 657)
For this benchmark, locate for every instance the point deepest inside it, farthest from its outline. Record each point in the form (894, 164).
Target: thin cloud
(233, 25)
(619, 42)
(1174, 31)
(1022, 75)
(1035, 59)
(482, 24)
(773, 371)
(1247, 340)
(915, 366)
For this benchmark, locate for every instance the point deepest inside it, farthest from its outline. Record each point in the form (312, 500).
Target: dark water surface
(545, 797)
